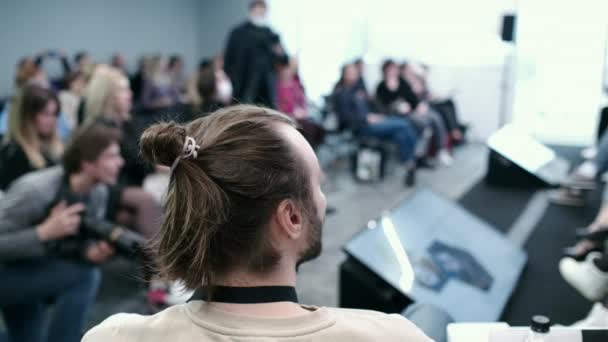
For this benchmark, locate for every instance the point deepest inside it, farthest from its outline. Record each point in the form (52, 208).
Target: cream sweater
(199, 321)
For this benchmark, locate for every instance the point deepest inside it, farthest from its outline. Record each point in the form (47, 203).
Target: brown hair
(219, 204)
(30, 101)
(88, 143)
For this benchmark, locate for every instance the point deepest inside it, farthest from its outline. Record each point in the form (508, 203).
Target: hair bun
(162, 143)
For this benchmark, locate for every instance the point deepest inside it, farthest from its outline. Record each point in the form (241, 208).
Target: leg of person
(74, 304)
(430, 319)
(147, 212)
(403, 134)
(251, 88)
(439, 130)
(441, 138)
(449, 119)
(35, 281)
(398, 131)
(25, 322)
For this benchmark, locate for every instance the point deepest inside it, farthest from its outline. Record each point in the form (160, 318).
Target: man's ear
(289, 218)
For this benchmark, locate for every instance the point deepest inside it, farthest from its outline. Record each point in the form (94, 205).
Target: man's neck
(81, 183)
(283, 275)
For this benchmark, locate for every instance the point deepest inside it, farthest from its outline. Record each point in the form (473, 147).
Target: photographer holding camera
(45, 254)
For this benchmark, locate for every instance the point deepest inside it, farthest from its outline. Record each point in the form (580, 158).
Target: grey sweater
(26, 204)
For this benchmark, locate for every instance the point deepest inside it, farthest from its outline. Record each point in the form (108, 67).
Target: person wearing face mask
(250, 55)
(31, 142)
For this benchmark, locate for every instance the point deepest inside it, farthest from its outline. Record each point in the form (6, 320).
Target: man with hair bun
(244, 209)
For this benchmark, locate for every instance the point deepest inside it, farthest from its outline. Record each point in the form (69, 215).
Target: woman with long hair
(32, 141)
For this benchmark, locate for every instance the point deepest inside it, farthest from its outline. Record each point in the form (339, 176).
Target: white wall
(560, 66)
(459, 39)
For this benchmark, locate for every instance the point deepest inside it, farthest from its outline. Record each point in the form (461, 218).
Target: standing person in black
(251, 53)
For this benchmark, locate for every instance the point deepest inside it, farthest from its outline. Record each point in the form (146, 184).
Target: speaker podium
(431, 250)
(517, 159)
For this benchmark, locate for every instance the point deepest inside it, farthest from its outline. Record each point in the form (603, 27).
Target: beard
(314, 244)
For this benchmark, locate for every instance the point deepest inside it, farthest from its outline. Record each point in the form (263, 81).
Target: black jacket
(14, 163)
(352, 107)
(386, 98)
(250, 57)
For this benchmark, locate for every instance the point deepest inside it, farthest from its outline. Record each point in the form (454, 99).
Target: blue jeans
(395, 130)
(430, 319)
(27, 288)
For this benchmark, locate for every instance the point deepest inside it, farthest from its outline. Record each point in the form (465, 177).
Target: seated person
(209, 89)
(31, 142)
(159, 92)
(417, 76)
(71, 97)
(395, 95)
(28, 73)
(291, 100)
(238, 238)
(353, 109)
(43, 258)
(584, 177)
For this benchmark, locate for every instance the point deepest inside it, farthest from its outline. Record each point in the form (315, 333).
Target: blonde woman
(108, 98)
(31, 142)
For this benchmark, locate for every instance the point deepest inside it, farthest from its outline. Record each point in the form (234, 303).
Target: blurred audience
(45, 259)
(395, 95)
(71, 97)
(209, 88)
(159, 91)
(119, 62)
(355, 112)
(175, 69)
(417, 75)
(82, 61)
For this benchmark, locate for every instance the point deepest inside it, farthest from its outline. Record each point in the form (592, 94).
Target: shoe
(567, 197)
(445, 158)
(597, 318)
(425, 163)
(589, 153)
(410, 177)
(573, 252)
(585, 277)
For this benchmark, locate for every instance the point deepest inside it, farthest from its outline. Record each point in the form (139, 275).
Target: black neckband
(248, 295)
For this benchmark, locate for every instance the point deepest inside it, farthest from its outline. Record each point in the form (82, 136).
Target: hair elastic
(190, 150)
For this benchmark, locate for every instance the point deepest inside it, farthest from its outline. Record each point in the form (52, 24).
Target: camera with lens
(124, 241)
